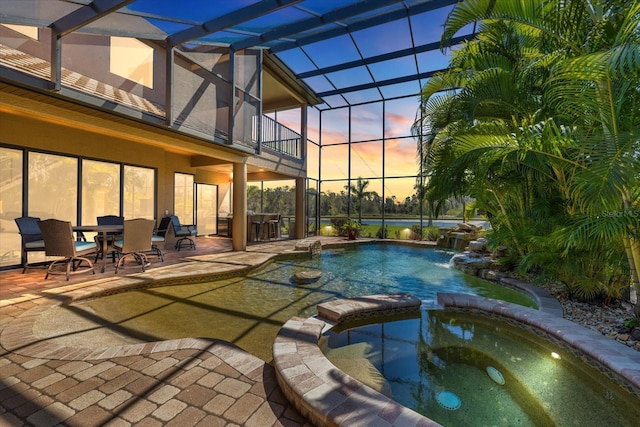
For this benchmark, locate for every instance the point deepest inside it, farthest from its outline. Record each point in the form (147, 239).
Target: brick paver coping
(618, 359)
(319, 390)
(328, 396)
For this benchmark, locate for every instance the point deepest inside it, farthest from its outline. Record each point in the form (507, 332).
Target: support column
(239, 222)
(300, 231)
(301, 221)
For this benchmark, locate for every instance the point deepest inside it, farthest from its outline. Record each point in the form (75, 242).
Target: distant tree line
(364, 203)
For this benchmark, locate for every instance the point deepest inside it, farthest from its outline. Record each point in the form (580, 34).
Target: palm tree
(359, 193)
(538, 121)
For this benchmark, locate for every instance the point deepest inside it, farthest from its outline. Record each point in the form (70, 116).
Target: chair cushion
(118, 243)
(38, 244)
(84, 246)
(157, 239)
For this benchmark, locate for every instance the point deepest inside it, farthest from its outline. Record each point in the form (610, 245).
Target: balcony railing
(277, 137)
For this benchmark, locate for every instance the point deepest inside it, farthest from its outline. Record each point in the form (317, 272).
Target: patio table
(104, 230)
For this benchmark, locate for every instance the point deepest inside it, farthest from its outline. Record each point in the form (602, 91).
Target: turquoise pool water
(249, 311)
(461, 369)
(371, 269)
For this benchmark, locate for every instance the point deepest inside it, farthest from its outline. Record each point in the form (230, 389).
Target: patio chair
(59, 242)
(31, 237)
(108, 220)
(135, 241)
(156, 242)
(176, 233)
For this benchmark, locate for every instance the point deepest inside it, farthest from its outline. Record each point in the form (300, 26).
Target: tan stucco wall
(44, 121)
(24, 132)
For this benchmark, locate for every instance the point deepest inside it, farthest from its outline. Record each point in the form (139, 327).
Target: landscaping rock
(309, 245)
(307, 276)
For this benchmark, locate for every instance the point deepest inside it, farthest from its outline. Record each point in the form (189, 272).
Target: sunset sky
(367, 142)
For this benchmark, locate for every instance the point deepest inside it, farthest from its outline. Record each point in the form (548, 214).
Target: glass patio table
(104, 230)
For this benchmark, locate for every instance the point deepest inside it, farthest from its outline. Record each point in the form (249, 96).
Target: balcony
(209, 123)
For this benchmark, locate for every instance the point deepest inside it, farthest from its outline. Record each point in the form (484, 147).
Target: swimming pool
(460, 368)
(248, 311)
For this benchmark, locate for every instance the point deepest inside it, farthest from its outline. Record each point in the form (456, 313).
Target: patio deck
(178, 382)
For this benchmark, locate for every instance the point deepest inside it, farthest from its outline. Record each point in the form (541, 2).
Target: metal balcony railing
(277, 137)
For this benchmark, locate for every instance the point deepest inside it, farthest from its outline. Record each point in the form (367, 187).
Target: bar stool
(257, 227)
(273, 226)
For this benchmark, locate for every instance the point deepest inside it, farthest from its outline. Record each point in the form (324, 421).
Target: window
(139, 192)
(53, 186)
(54, 183)
(207, 203)
(132, 59)
(183, 197)
(100, 190)
(10, 205)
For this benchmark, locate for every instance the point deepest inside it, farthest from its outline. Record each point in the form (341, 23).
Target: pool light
(448, 400)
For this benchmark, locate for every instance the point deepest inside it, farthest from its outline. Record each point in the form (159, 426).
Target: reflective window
(207, 202)
(139, 192)
(53, 186)
(312, 205)
(131, 59)
(100, 190)
(10, 205)
(183, 197)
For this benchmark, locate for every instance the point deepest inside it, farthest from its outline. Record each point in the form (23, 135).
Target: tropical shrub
(536, 119)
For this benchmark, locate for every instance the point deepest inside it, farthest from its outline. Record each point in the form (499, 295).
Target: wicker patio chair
(31, 237)
(136, 240)
(59, 242)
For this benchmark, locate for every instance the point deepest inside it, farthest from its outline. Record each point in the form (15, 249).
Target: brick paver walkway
(185, 382)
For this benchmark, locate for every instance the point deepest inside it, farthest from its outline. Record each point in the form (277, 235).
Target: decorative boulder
(309, 245)
(307, 276)
(479, 245)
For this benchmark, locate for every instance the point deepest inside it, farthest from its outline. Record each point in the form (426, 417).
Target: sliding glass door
(206, 208)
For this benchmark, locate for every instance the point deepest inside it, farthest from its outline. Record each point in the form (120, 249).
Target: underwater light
(448, 400)
(495, 375)
(555, 355)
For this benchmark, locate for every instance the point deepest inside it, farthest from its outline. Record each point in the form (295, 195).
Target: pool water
(249, 311)
(464, 369)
